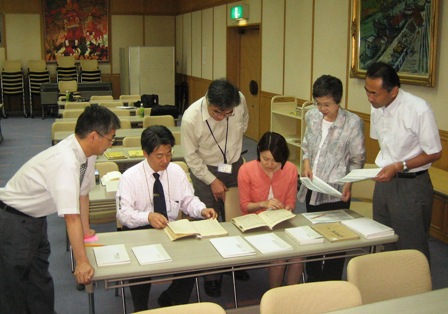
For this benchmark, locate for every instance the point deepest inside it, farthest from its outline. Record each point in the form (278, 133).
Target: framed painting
(76, 27)
(400, 33)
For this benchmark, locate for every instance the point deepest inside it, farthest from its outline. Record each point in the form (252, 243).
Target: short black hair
(98, 119)
(154, 136)
(328, 85)
(276, 144)
(223, 94)
(385, 72)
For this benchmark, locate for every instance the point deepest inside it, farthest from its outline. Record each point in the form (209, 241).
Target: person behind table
(136, 206)
(212, 132)
(51, 181)
(270, 183)
(406, 130)
(333, 145)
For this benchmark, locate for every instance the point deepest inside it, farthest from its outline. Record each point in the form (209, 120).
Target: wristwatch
(405, 167)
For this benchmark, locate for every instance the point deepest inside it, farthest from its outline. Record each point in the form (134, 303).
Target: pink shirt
(254, 184)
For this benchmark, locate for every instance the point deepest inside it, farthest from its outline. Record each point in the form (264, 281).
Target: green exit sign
(238, 12)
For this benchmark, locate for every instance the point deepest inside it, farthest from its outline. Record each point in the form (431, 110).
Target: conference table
(435, 301)
(136, 121)
(120, 134)
(192, 257)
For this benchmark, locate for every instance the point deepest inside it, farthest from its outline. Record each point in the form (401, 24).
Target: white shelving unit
(287, 119)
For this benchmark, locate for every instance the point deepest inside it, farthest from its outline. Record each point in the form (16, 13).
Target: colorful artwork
(77, 27)
(401, 33)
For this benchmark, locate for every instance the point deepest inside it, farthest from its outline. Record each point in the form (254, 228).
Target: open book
(201, 228)
(268, 218)
(335, 231)
(111, 255)
(360, 174)
(368, 228)
(151, 254)
(320, 186)
(304, 235)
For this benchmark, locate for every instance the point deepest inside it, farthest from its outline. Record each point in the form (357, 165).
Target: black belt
(410, 175)
(12, 210)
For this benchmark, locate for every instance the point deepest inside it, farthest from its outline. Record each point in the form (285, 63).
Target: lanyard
(227, 133)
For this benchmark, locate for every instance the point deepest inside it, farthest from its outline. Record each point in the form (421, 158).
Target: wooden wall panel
(21, 6)
(128, 7)
(159, 7)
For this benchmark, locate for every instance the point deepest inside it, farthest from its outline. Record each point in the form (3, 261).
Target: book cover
(327, 216)
(229, 247)
(268, 218)
(201, 228)
(268, 243)
(135, 153)
(335, 232)
(368, 228)
(151, 254)
(114, 155)
(304, 235)
(110, 255)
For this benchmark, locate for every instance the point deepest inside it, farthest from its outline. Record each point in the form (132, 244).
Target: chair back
(37, 66)
(105, 167)
(72, 113)
(314, 297)
(12, 66)
(388, 275)
(110, 104)
(183, 165)
(165, 120)
(125, 123)
(70, 86)
(177, 137)
(121, 113)
(191, 308)
(70, 105)
(62, 126)
(130, 97)
(89, 65)
(65, 61)
(101, 97)
(232, 203)
(132, 141)
(362, 195)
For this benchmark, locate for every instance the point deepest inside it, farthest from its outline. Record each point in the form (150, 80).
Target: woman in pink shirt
(270, 183)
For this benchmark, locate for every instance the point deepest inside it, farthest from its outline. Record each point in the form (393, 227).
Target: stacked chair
(12, 83)
(37, 74)
(66, 69)
(89, 71)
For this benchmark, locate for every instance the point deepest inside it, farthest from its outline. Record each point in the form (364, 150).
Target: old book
(335, 231)
(114, 155)
(135, 153)
(201, 228)
(268, 218)
(368, 228)
(304, 235)
(111, 255)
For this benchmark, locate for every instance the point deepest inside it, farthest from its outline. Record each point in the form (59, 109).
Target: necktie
(82, 172)
(159, 196)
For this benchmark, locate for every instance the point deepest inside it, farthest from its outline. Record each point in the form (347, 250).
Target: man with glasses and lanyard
(212, 137)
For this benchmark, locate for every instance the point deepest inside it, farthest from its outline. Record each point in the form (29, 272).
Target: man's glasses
(218, 113)
(110, 140)
(324, 105)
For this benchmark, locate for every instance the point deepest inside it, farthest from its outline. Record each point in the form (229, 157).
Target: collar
(393, 107)
(80, 155)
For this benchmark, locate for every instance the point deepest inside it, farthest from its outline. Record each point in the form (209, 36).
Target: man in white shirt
(139, 207)
(406, 130)
(56, 180)
(212, 132)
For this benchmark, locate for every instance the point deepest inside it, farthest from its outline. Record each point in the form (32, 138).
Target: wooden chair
(314, 297)
(192, 308)
(132, 141)
(72, 113)
(61, 126)
(388, 275)
(165, 120)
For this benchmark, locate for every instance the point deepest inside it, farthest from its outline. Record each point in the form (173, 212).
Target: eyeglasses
(110, 140)
(218, 113)
(324, 105)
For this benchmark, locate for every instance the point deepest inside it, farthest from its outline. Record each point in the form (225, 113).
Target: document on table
(151, 254)
(268, 243)
(360, 174)
(368, 228)
(304, 235)
(232, 246)
(320, 186)
(110, 255)
(327, 216)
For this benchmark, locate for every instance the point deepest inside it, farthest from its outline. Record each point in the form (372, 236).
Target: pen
(318, 216)
(92, 244)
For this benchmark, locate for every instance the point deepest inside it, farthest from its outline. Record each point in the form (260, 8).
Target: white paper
(232, 246)
(368, 228)
(268, 243)
(111, 255)
(320, 186)
(327, 216)
(360, 174)
(304, 235)
(151, 254)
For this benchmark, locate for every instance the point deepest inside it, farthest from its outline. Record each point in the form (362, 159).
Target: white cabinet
(287, 119)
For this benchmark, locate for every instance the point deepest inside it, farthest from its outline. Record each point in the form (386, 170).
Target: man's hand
(218, 189)
(388, 172)
(89, 233)
(209, 213)
(83, 273)
(157, 221)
